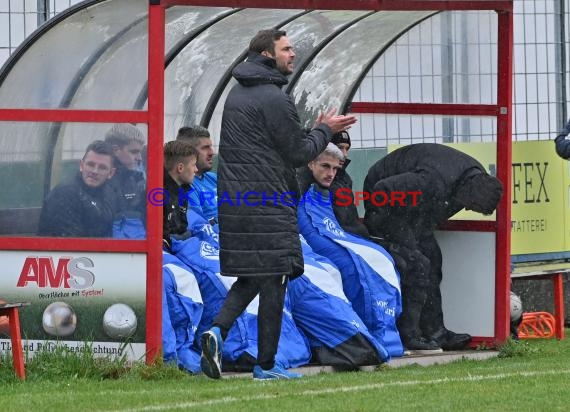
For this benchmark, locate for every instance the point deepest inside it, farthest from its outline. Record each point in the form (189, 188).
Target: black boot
(449, 340)
(420, 346)
(433, 327)
(409, 323)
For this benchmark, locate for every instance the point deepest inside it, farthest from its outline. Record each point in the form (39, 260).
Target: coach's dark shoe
(449, 340)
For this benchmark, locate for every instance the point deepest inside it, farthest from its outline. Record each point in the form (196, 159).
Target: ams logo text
(67, 272)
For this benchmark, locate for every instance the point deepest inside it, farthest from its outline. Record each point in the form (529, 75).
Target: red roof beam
(403, 5)
(80, 116)
(425, 108)
(73, 244)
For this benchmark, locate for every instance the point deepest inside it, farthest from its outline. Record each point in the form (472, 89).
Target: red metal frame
(154, 118)
(504, 160)
(426, 108)
(470, 225)
(64, 115)
(502, 110)
(73, 244)
(402, 5)
(156, 52)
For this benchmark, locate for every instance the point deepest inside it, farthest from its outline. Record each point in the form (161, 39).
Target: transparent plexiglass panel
(381, 130)
(112, 79)
(192, 78)
(118, 78)
(448, 58)
(34, 161)
(183, 21)
(23, 153)
(308, 33)
(331, 78)
(43, 75)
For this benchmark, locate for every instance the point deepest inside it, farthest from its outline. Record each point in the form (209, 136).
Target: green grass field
(526, 376)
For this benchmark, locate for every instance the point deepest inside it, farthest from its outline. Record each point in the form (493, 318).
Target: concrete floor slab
(422, 360)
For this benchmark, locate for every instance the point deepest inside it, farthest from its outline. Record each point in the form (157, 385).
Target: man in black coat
(261, 142)
(445, 181)
(85, 206)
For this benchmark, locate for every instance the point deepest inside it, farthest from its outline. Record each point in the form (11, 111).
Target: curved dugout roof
(94, 57)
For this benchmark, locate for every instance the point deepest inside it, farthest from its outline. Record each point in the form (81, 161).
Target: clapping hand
(336, 122)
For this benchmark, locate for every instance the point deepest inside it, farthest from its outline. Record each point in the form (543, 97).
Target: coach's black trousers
(271, 290)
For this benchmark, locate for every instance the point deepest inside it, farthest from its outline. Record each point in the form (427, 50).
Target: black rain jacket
(77, 210)
(261, 144)
(435, 170)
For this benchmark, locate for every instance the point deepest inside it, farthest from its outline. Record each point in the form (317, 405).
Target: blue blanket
(129, 228)
(182, 309)
(322, 311)
(202, 229)
(370, 280)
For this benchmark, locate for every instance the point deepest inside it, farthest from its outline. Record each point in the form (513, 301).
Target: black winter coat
(435, 170)
(130, 190)
(174, 220)
(78, 210)
(261, 142)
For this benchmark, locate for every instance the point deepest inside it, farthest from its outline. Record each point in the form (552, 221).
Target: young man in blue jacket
(203, 197)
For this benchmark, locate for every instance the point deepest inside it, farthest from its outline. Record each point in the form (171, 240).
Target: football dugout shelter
(477, 253)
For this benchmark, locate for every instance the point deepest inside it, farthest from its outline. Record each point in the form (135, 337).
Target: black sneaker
(449, 340)
(421, 346)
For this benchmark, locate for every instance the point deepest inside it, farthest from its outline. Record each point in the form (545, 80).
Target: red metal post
(558, 286)
(156, 49)
(504, 160)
